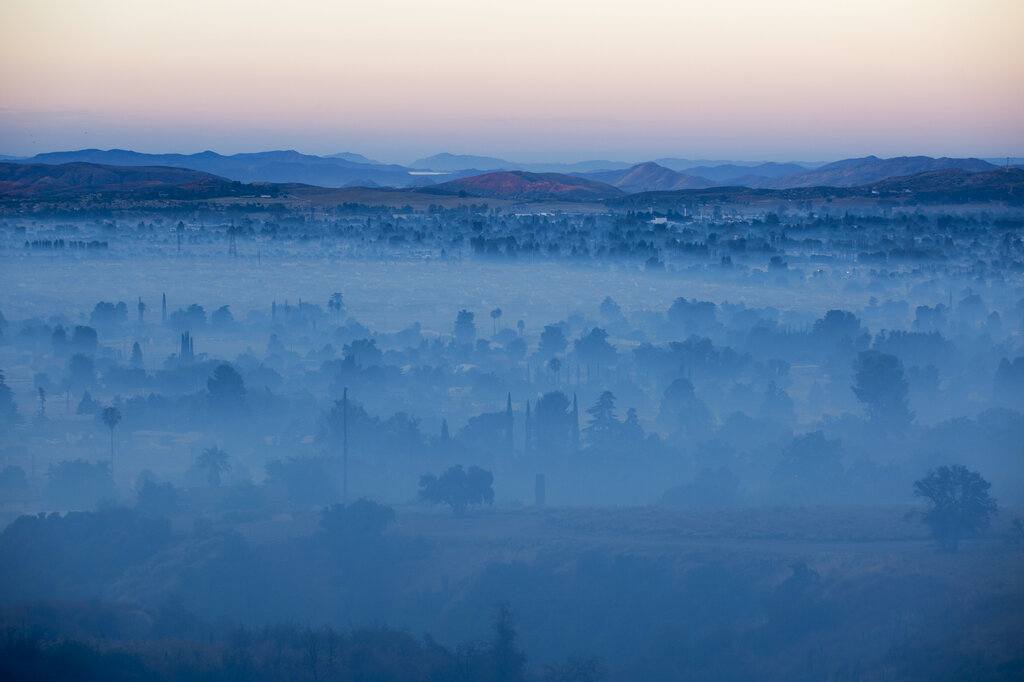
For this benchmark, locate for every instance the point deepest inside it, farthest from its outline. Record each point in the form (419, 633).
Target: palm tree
(495, 316)
(215, 461)
(111, 416)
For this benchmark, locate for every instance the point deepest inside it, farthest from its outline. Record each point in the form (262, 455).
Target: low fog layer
(622, 445)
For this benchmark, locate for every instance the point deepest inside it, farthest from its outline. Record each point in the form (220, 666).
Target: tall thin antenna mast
(344, 446)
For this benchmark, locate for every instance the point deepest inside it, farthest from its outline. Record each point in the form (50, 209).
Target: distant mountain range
(461, 162)
(341, 170)
(20, 181)
(854, 172)
(348, 169)
(73, 179)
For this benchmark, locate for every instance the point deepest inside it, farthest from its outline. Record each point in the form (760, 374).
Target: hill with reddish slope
(520, 185)
(73, 179)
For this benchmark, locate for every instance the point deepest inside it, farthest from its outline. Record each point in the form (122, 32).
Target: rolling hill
(863, 171)
(947, 186)
(273, 166)
(521, 185)
(74, 179)
(649, 177)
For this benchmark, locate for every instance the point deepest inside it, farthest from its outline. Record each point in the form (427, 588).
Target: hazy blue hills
(349, 169)
(462, 162)
(271, 166)
(731, 173)
(855, 172)
(653, 177)
(523, 185)
(650, 176)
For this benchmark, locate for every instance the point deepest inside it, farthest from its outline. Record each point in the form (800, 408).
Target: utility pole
(344, 446)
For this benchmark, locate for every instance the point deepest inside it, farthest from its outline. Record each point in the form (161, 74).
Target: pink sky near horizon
(792, 79)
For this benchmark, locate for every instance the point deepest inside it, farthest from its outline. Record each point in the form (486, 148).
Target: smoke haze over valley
(699, 355)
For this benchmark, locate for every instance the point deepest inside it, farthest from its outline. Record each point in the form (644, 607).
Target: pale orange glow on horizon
(938, 77)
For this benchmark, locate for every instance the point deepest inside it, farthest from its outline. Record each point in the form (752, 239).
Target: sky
(554, 80)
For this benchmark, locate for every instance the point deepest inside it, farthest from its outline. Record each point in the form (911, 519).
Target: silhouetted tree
(8, 408)
(84, 340)
(555, 367)
(81, 371)
(552, 341)
(495, 316)
(214, 462)
(111, 417)
(136, 359)
(465, 329)
(508, 661)
(156, 499)
(604, 428)
(552, 424)
(958, 503)
(87, 405)
(458, 488)
(357, 523)
(594, 349)
(881, 386)
(227, 390)
(336, 304)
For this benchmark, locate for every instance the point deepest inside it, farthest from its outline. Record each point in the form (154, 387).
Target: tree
(136, 359)
(604, 428)
(222, 317)
(357, 523)
(881, 386)
(81, 371)
(610, 309)
(336, 304)
(111, 417)
(594, 349)
(958, 504)
(8, 408)
(458, 488)
(555, 367)
(465, 329)
(227, 390)
(495, 316)
(214, 462)
(552, 341)
(553, 425)
(508, 661)
(156, 499)
(88, 405)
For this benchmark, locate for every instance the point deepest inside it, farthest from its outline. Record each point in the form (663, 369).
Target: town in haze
(626, 385)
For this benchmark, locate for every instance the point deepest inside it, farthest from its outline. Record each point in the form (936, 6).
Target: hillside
(863, 171)
(649, 177)
(272, 166)
(953, 186)
(72, 179)
(520, 185)
(956, 185)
